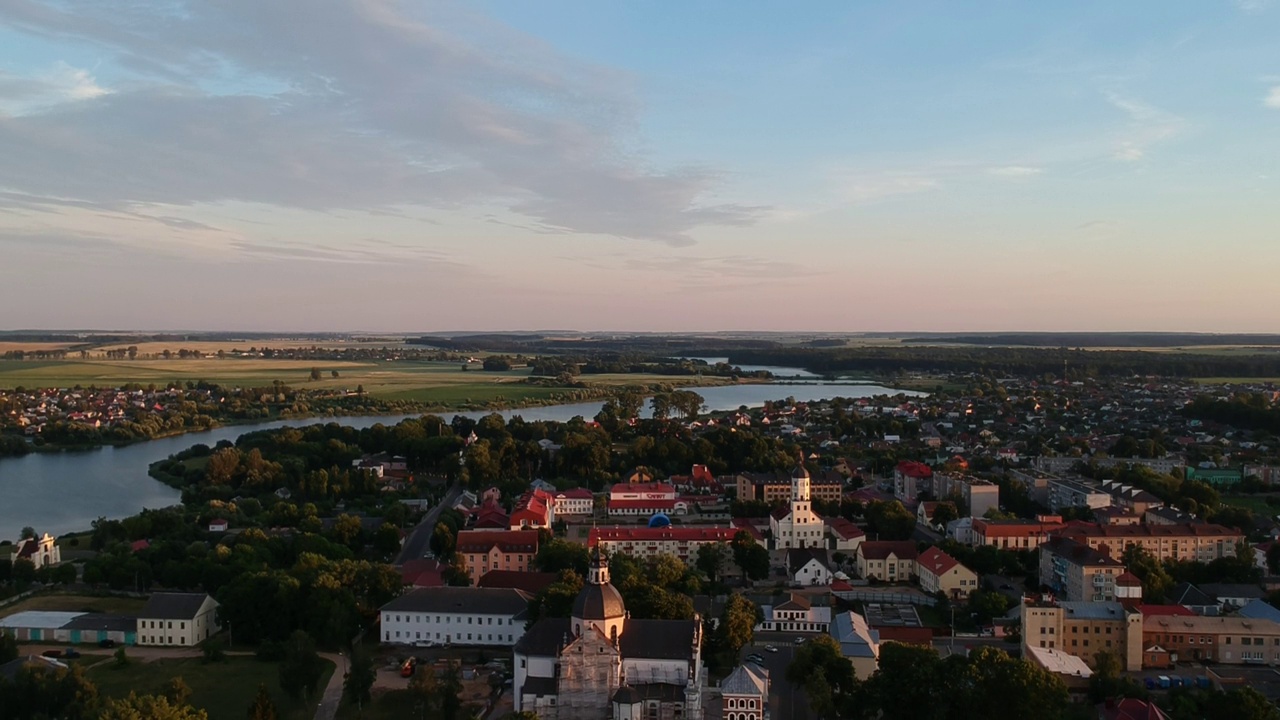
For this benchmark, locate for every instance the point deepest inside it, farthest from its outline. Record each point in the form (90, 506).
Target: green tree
(386, 539)
(828, 679)
(263, 707)
(749, 556)
(987, 605)
(356, 689)
(1109, 681)
(301, 669)
(443, 541)
(149, 707)
(1156, 581)
(122, 657)
(711, 559)
(890, 520)
(944, 513)
(28, 533)
(178, 691)
(8, 647)
(737, 624)
(315, 373)
(557, 555)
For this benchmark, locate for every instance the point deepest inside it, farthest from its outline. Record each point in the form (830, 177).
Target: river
(64, 492)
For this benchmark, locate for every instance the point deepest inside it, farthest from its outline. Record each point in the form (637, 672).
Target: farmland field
(427, 382)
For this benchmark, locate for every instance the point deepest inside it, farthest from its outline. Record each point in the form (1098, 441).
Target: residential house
(181, 619)
(940, 573)
(859, 643)
(887, 560)
(1228, 640)
(456, 616)
(485, 550)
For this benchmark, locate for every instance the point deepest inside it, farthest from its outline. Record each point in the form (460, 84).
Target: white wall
(458, 629)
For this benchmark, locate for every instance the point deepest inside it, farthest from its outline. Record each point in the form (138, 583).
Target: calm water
(778, 371)
(60, 493)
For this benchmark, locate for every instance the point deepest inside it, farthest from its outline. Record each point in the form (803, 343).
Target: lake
(778, 371)
(65, 492)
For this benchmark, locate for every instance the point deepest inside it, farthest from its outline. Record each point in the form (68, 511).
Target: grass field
(223, 689)
(434, 383)
(1255, 503)
(76, 603)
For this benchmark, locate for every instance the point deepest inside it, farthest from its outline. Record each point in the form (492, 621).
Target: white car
(770, 648)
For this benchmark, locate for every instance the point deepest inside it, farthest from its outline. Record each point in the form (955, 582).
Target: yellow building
(939, 572)
(1084, 629)
(177, 619)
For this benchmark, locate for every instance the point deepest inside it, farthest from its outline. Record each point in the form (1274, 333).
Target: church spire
(598, 574)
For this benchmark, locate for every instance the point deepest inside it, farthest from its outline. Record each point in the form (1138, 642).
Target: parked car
(770, 648)
(108, 643)
(71, 654)
(408, 667)
(799, 641)
(52, 653)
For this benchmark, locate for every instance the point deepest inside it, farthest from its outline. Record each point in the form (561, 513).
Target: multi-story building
(1036, 483)
(1197, 542)
(1135, 500)
(825, 485)
(456, 616)
(978, 495)
(1078, 572)
(797, 525)
(578, 501)
(485, 550)
(887, 560)
(859, 643)
(1229, 640)
(939, 572)
(1064, 493)
(646, 542)
(1084, 629)
(910, 478)
(181, 619)
(1015, 534)
(796, 614)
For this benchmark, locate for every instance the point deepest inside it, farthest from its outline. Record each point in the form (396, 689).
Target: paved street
(417, 545)
(785, 701)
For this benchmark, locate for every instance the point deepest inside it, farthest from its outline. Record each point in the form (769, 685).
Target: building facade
(774, 487)
(646, 542)
(1064, 494)
(1084, 629)
(578, 501)
(177, 619)
(601, 663)
(797, 525)
(1078, 572)
(1229, 640)
(1014, 534)
(940, 573)
(744, 694)
(887, 560)
(1196, 542)
(485, 550)
(456, 616)
(795, 614)
(41, 552)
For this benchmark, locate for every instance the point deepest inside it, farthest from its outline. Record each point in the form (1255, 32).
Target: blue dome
(659, 520)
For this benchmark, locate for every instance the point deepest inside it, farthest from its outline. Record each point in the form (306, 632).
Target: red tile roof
(470, 541)
(914, 469)
(936, 561)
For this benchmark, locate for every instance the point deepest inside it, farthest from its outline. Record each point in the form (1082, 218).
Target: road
(328, 707)
(785, 700)
(417, 545)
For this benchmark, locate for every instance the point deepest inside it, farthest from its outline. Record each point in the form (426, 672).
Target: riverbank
(538, 397)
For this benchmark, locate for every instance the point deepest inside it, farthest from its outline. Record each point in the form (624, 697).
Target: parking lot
(785, 700)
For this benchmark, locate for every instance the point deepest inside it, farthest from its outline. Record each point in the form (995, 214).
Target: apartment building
(825, 485)
(485, 550)
(1197, 542)
(1135, 500)
(1078, 572)
(1063, 494)
(577, 501)
(1015, 534)
(645, 542)
(978, 495)
(887, 560)
(1036, 483)
(1228, 640)
(1084, 629)
(910, 478)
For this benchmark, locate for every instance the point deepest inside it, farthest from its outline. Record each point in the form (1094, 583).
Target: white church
(797, 526)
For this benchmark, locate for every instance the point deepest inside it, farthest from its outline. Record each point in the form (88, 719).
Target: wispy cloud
(1272, 100)
(865, 189)
(387, 104)
(1148, 126)
(1015, 171)
(1252, 6)
(62, 83)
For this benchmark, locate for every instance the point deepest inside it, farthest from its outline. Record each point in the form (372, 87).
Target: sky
(373, 165)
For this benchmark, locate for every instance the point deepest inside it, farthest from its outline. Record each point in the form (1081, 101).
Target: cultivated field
(428, 382)
(31, 346)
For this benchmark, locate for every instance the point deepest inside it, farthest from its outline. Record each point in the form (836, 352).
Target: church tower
(599, 604)
(800, 484)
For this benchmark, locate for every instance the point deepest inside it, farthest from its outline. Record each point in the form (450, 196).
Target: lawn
(77, 603)
(1255, 503)
(224, 689)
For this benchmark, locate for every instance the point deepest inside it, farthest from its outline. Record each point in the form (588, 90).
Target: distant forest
(1103, 340)
(1012, 361)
